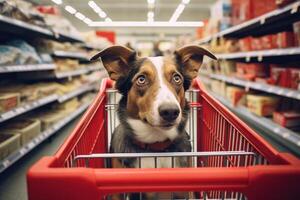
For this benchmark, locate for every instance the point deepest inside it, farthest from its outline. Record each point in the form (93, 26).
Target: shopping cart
(230, 160)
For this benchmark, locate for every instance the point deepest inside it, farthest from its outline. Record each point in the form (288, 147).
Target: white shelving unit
(26, 68)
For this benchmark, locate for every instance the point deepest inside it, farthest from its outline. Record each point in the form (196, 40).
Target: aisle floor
(13, 180)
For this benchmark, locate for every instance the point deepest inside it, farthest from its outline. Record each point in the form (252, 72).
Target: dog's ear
(190, 59)
(116, 60)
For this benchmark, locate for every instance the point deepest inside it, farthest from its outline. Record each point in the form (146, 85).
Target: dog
(153, 111)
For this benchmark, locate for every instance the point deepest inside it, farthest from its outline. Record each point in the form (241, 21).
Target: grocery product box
(285, 39)
(218, 87)
(250, 71)
(245, 44)
(69, 105)
(9, 101)
(236, 95)
(227, 67)
(287, 119)
(280, 75)
(295, 78)
(9, 143)
(296, 27)
(262, 105)
(26, 128)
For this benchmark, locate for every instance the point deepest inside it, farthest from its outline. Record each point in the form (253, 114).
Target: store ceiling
(136, 10)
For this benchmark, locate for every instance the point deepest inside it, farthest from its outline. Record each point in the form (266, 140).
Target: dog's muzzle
(168, 112)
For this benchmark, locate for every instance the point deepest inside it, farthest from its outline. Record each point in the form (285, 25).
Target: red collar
(157, 146)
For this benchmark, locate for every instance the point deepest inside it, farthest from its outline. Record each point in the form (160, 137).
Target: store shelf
(282, 135)
(67, 54)
(69, 38)
(260, 55)
(81, 90)
(295, 94)
(11, 159)
(27, 107)
(18, 27)
(265, 24)
(26, 68)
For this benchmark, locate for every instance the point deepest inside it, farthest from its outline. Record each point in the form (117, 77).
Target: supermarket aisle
(13, 181)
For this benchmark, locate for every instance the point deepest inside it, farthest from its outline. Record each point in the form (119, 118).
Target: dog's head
(154, 86)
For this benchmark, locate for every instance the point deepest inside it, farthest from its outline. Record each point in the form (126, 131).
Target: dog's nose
(169, 112)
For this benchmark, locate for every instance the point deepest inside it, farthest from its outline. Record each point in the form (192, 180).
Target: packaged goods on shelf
(23, 11)
(262, 105)
(218, 87)
(250, 71)
(280, 75)
(26, 128)
(289, 119)
(18, 52)
(221, 11)
(285, 39)
(47, 118)
(64, 26)
(87, 98)
(68, 106)
(295, 78)
(9, 101)
(296, 29)
(49, 46)
(228, 67)
(8, 144)
(236, 95)
(96, 41)
(66, 64)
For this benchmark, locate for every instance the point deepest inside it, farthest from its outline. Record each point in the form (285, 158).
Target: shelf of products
(260, 55)
(261, 25)
(27, 107)
(81, 90)
(14, 157)
(66, 54)
(26, 68)
(18, 27)
(291, 139)
(259, 86)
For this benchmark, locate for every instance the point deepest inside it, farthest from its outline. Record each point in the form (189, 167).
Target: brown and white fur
(153, 110)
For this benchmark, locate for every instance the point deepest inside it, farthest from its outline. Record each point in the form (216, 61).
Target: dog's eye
(141, 80)
(177, 79)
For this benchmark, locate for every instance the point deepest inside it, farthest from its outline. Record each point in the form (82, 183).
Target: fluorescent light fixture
(87, 21)
(70, 9)
(80, 16)
(94, 6)
(151, 1)
(186, 1)
(177, 12)
(107, 19)
(146, 24)
(57, 1)
(102, 14)
(150, 14)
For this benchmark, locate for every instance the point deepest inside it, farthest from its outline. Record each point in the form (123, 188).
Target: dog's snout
(169, 112)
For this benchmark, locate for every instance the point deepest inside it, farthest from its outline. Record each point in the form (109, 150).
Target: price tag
(289, 94)
(280, 92)
(6, 163)
(276, 130)
(8, 115)
(31, 145)
(260, 57)
(248, 58)
(262, 20)
(22, 151)
(298, 96)
(285, 135)
(298, 143)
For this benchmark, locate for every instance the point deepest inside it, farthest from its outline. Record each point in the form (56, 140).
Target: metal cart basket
(229, 160)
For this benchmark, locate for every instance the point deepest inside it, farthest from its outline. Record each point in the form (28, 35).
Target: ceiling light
(102, 14)
(146, 24)
(87, 21)
(177, 12)
(150, 14)
(108, 19)
(185, 1)
(70, 9)
(94, 6)
(151, 1)
(80, 16)
(57, 1)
